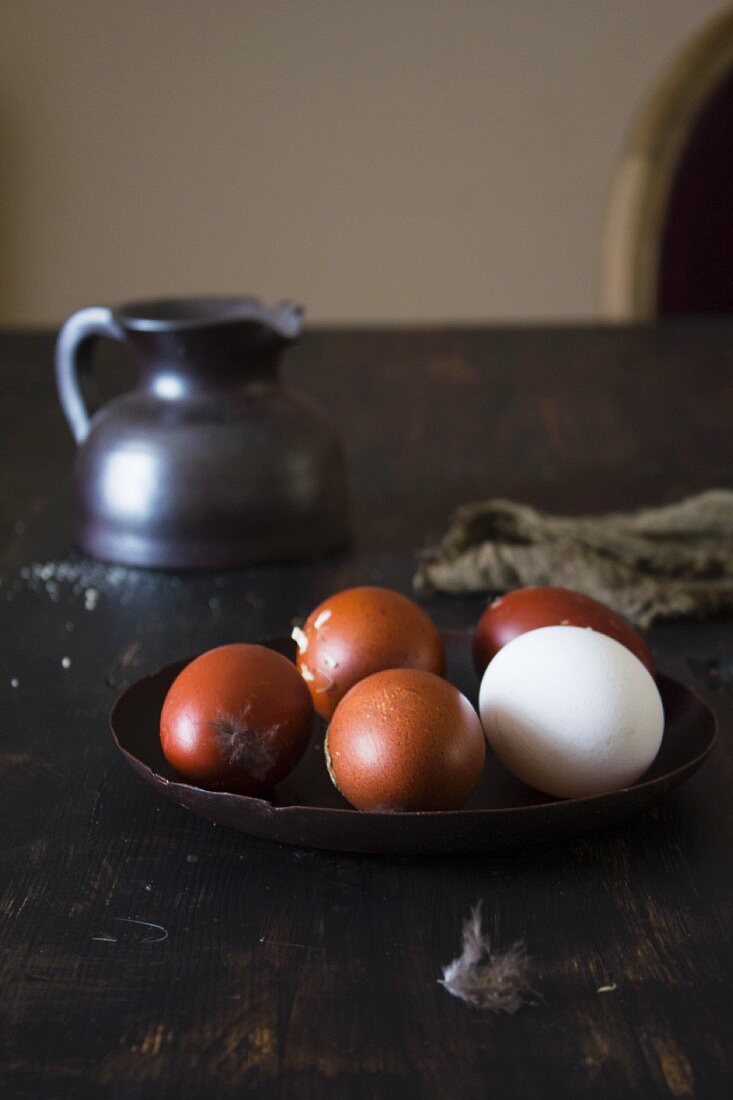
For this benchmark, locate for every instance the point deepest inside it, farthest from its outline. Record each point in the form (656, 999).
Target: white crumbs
(90, 598)
(89, 581)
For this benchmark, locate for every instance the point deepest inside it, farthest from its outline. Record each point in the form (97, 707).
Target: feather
(498, 981)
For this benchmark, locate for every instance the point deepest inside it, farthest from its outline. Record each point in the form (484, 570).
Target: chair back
(668, 237)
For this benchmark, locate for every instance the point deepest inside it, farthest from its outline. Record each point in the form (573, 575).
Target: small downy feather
(242, 745)
(495, 981)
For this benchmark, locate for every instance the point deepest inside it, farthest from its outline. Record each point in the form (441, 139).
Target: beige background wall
(377, 159)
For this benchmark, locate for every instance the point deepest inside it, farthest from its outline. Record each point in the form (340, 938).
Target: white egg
(571, 712)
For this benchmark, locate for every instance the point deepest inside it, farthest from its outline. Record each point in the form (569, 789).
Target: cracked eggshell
(358, 632)
(404, 739)
(530, 608)
(571, 711)
(237, 718)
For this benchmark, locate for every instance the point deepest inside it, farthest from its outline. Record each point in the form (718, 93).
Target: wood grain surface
(146, 953)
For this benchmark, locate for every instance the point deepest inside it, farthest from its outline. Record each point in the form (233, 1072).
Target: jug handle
(74, 352)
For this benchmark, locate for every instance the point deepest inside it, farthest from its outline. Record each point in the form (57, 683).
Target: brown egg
(360, 631)
(405, 740)
(527, 609)
(237, 718)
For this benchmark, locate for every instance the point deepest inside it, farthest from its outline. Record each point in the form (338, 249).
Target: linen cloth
(655, 563)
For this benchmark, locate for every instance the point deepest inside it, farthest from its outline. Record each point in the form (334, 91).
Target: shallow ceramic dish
(503, 813)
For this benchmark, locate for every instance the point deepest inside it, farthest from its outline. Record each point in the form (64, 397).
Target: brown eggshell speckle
(527, 609)
(358, 632)
(405, 739)
(237, 718)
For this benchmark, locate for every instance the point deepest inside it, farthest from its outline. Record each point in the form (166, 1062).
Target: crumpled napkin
(655, 563)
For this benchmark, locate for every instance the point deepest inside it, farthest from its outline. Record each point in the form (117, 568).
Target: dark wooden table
(147, 953)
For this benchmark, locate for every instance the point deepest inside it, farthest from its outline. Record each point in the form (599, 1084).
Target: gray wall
(381, 160)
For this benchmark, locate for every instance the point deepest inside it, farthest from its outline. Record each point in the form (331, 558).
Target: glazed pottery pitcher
(209, 461)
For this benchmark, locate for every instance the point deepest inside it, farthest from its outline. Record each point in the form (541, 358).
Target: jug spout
(208, 341)
(288, 320)
(194, 314)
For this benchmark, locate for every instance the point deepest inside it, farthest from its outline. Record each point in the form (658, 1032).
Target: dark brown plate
(503, 813)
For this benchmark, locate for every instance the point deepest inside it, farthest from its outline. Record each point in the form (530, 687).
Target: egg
(571, 711)
(529, 608)
(360, 631)
(405, 739)
(237, 718)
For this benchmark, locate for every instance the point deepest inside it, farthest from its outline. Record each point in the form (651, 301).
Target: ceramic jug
(209, 461)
